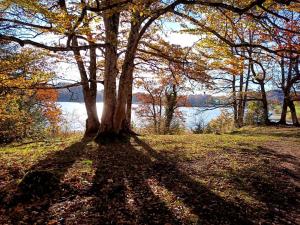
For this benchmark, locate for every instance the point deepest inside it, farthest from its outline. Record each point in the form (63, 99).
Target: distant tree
(172, 67)
(151, 108)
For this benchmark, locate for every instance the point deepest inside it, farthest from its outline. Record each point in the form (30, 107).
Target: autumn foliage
(26, 110)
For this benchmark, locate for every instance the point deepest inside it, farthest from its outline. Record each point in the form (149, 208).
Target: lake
(75, 115)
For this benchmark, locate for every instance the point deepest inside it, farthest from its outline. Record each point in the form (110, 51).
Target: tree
(289, 74)
(245, 35)
(26, 109)
(57, 22)
(140, 15)
(151, 107)
(172, 67)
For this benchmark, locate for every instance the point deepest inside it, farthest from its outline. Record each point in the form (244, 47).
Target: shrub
(199, 126)
(255, 113)
(222, 124)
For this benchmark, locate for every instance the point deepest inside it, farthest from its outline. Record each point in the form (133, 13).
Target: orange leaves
(24, 110)
(46, 95)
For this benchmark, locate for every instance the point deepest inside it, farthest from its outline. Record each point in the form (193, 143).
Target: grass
(25, 154)
(248, 177)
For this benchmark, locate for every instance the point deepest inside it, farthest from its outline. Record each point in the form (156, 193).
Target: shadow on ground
(23, 205)
(275, 130)
(135, 184)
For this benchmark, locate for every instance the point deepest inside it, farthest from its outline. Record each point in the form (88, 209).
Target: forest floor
(251, 176)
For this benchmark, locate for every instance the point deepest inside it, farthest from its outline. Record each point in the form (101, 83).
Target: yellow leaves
(4, 4)
(21, 107)
(295, 7)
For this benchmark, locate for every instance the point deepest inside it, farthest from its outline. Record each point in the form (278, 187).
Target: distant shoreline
(138, 103)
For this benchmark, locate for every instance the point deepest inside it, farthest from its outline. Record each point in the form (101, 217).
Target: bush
(199, 126)
(177, 127)
(222, 124)
(255, 113)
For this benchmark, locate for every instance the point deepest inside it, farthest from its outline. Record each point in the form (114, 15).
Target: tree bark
(265, 102)
(89, 90)
(284, 111)
(171, 102)
(111, 22)
(129, 107)
(126, 77)
(240, 102)
(261, 82)
(293, 113)
(245, 99)
(234, 103)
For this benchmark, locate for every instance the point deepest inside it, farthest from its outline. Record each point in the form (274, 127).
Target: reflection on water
(75, 115)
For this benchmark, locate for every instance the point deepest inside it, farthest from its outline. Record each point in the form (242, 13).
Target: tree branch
(50, 48)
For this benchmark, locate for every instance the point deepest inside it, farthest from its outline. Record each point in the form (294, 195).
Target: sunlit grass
(227, 165)
(28, 152)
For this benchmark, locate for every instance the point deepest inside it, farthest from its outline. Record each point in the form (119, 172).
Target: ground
(250, 176)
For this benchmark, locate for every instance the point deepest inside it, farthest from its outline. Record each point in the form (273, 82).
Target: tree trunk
(171, 102)
(284, 109)
(261, 82)
(126, 79)
(89, 91)
(111, 22)
(129, 107)
(245, 99)
(265, 103)
(240, 102)
(234, 103)
(92, 122)
(293, 113)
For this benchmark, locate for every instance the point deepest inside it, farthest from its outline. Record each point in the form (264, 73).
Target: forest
(143, 70)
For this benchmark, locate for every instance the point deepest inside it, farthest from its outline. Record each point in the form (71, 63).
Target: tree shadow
(57, 164)
(124, 196)
(282, 131)
(270, 156)
(279, 196)
(127, 181)
(136, 184)
(60, 161)
(273, 181)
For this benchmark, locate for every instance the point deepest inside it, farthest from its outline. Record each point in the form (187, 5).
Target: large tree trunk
(283, 113)
(129, 107)
(92, 123)
(119, 121)
(111, 22)
(89, 90)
